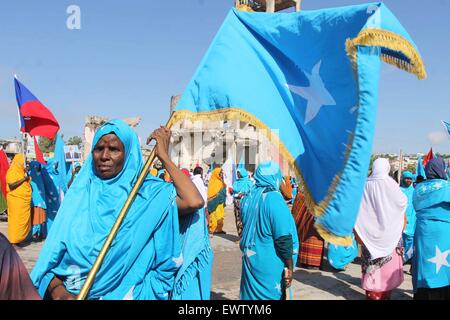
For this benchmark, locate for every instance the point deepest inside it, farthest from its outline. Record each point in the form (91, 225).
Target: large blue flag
(313, 76)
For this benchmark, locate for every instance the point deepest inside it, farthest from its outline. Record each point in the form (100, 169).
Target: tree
(46, 145)
(75, 141)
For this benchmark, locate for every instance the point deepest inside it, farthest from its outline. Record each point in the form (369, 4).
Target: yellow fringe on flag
(392, 41)
(244, 7)
(237, 114)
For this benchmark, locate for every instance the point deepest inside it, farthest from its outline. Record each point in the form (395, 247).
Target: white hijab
(382, 211)
(198, 181)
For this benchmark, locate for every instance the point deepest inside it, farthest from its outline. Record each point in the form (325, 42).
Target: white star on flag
(250, 253)
(316, 94)
(129, 295)
(178, 261)
(440, 259)
(278, 286)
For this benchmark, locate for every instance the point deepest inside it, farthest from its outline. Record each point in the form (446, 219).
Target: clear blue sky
(131, 56)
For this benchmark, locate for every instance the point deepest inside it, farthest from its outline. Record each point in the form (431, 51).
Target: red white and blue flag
(35, 118)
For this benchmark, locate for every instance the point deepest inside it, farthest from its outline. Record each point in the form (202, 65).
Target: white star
(178, 261)
(278, 286)
(440, 259)
(129, 295)
(316, 94)
(250, 253)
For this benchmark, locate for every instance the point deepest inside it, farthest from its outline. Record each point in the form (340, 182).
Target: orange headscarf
(15, 173)
(286, 188)
(215, 183)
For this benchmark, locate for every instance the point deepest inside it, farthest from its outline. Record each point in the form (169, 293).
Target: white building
(214, 142)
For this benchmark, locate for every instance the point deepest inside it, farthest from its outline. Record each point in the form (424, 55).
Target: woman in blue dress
(145, 254)
(431, 265)
(269, 241)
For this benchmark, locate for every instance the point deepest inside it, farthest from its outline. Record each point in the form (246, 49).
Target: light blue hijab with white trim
(145, 254)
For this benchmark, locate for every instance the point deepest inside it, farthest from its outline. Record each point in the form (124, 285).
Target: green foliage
(46, 145)
(74, 141)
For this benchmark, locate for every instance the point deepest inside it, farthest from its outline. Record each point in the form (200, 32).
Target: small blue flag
(313, 77)
(447, 128)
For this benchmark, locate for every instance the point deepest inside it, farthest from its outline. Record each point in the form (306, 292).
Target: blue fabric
(53, 192)
(431, 265)
(435, 169)
(296, 64)
(265, 218)
(340, 257)
(38, 195)
(408, 232)
(193, 280)
(72, 167)
(61, 177)
(420, 170)
(145, 254)
(447, 127)
(37, 185)
(23, 95)
(242, 185)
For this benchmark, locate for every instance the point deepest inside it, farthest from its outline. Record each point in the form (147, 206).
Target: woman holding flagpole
(145, 254)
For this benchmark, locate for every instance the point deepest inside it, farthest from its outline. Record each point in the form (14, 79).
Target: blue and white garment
(145, 254)
(242, 185)
(38, 194)
(193, 280)
(53, 192)
(339, 257)
(408, 233)
(431, 263)
(265, 218)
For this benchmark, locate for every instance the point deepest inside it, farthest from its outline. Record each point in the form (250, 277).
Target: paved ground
(307, 284)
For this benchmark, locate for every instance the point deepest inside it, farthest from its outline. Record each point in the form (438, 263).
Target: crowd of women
(162, 249)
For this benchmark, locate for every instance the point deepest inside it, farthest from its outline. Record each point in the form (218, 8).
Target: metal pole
(98, 262)
(24, 147)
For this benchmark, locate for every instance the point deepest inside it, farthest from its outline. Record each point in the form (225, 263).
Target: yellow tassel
(392, 41)
(331, 238)
(244, 7)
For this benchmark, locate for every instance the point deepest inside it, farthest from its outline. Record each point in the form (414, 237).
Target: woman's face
(407, 182)
(108, 156)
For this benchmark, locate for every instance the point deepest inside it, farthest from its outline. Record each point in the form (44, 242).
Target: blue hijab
(408, 233)
(265, 218)
(70, 173)
(243, 184)
(37, 185)
(145, 254)
(435, 169)
(431, 241)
